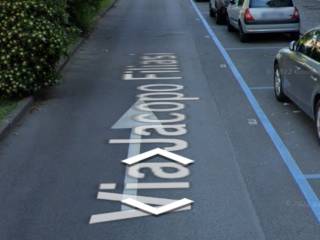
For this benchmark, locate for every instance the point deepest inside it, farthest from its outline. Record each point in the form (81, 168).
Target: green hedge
(33, 36)
(82, 12)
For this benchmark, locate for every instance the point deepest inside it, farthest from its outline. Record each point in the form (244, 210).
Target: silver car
(263, 16)
(297, 74)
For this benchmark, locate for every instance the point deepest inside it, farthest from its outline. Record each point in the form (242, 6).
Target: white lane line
(164, 185)
(149, 69)
(253, 48)
(161, 71)
(107, 186)
(158, 66)
(158, 53)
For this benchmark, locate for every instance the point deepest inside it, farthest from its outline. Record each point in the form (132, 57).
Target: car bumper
(271, 28)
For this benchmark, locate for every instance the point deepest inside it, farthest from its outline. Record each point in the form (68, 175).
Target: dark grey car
(297, 74)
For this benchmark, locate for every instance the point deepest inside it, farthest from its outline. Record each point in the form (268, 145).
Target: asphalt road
(242, 184)
(309, 11)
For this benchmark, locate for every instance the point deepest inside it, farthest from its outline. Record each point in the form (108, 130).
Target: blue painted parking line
(312, 176)
(261, 88)
(298, 176)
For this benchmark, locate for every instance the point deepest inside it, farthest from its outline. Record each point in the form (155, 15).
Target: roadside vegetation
(34, 35)
(6, 106)
(83, 13)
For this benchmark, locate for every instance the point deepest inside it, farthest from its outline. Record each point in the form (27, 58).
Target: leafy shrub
(32, 39)
(82, 12)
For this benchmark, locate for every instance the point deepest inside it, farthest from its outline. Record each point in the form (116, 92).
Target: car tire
(295, 35)
(243, 36)
(278, 85)
(219, 18)
(212, 13)
(317, 113)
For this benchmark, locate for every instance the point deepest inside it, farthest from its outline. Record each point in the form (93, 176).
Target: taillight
(295, 15)
(248, 16)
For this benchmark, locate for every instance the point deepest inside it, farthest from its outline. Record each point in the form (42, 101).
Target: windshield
(270, 3)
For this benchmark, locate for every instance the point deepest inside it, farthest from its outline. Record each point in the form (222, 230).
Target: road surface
(162, 74)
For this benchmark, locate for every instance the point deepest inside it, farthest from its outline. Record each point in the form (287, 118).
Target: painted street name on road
(162, 98)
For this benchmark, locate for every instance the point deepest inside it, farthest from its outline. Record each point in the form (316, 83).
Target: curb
(63, 62)
(25, 104)
(11, 120)
(101, 15)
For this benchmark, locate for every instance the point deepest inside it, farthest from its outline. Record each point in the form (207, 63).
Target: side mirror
(292, 45)
(232, 1)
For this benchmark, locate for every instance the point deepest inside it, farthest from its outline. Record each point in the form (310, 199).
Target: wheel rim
(277, 82)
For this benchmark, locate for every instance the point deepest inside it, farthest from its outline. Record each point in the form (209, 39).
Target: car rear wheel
(318, 119)
(243, 36)
(219, 18)
(278, 85)
(212, 13)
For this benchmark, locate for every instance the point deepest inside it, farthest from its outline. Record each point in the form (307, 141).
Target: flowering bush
(32, 39)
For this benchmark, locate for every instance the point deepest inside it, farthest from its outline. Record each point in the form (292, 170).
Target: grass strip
(7, 106)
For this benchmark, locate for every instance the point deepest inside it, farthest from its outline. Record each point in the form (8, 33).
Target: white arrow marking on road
(125, 122)
(157, 210)
(155, 152)
(127, 214)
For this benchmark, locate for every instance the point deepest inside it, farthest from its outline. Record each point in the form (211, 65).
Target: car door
(312, 83)
(234, 11)
(293, 70)
(306, 76)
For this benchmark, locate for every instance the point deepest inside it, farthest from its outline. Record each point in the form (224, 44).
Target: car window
(306, 43)
(270, 3)
(316, 46)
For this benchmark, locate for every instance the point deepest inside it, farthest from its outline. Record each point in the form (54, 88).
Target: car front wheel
(219, 18)
(278, 85)
(295, 35)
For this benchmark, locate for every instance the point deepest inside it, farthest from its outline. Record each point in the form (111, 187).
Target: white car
(263, 16)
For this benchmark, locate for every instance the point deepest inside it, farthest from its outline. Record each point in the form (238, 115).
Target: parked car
(263, 16)
(218, 9)
(297, 74)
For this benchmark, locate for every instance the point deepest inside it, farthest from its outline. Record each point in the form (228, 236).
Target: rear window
(270, 3)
